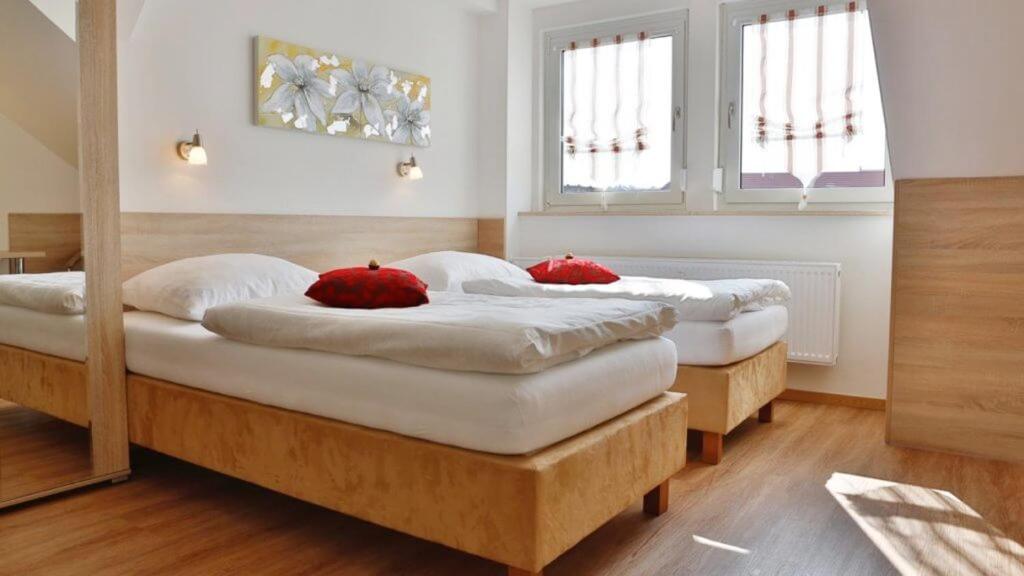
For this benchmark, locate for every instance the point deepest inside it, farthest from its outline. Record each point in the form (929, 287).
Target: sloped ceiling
(39, 64)
(60, 12)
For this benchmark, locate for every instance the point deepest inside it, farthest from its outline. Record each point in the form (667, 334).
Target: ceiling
(486, 6)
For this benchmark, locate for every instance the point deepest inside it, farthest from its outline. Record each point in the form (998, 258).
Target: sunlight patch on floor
(926, 531)
(719, 545)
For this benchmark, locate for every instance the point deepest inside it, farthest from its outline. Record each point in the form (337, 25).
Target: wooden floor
(790, 498)
(39, 453)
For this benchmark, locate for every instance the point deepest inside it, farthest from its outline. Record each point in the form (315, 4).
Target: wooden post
(712, 448)
(656, 501)
(101, 231)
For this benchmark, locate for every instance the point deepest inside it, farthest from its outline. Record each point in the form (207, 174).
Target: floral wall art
(300, 88)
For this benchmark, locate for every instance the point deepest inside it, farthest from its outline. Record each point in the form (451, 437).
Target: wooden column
(101, 209)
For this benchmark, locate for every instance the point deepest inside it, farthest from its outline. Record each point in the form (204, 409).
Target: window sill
(677, 212)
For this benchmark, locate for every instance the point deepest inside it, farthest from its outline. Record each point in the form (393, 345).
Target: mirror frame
(101, 243)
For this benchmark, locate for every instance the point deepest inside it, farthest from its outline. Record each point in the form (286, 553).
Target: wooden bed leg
(656, 501)
(712, 449)
(765, 413)
(512, 571)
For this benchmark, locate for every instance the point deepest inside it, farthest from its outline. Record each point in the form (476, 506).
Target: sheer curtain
(616, 111)
(811, 102)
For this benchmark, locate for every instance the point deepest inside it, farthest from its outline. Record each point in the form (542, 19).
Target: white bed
(60, 335)
(729, 341)
(724, 343)
(495, 413)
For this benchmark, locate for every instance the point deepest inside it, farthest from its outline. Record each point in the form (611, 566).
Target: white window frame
(734, 17)
(673, 23)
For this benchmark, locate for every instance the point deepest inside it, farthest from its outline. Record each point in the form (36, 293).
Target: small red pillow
(571, 270)
(369, 287)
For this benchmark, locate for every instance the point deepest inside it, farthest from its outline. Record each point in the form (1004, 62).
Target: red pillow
(369, 287)
(571, 270)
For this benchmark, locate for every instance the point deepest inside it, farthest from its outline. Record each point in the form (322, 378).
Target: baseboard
(833, 399)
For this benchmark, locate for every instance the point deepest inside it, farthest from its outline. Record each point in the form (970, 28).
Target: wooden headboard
(317, 242)
(59, 235)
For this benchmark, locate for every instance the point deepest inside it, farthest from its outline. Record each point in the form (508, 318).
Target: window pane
(603, 105)
(835, 159)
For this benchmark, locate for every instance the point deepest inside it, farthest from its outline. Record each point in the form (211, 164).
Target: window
(613, 116)
(802, 110)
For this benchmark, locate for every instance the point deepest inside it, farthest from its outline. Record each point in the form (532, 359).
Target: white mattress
(722, 343)
(58, 335)
(496, 413)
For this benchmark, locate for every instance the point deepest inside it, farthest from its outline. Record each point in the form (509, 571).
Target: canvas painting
(316, 91)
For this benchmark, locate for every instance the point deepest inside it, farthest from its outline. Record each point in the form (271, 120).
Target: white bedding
(55, 293)
(60, 335)
(454, 332)
(706, 301)
(723, 343)
(497, 413)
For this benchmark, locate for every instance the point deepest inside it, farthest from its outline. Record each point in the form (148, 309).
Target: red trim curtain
(609, 125)
(807, 71)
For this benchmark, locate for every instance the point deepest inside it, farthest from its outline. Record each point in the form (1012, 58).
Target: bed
(485, 463)
(469, 487)
(43, 346)
(732, 357)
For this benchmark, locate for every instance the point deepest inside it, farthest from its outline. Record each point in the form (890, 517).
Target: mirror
(47, 425)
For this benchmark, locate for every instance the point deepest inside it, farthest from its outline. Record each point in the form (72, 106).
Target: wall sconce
(193, 152)
(410, 169)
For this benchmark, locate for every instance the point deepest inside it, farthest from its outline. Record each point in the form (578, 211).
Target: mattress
(723, 343)
(496, 413)
(58, 335)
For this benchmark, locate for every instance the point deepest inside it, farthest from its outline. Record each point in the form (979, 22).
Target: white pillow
(446, 271)
(187, 288)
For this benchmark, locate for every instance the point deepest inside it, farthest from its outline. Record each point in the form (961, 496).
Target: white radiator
(813, 335)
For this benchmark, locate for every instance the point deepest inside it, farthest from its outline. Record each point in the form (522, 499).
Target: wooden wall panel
(317, 242)
(957, 353)
(59, 235)
(491, 232)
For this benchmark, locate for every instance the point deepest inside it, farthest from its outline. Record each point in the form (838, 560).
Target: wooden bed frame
(521, 511)
(44, 383)
(722, 397)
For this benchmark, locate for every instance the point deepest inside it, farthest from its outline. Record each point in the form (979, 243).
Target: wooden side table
(16, 260)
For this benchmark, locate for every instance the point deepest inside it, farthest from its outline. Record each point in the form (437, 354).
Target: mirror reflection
(44, 412)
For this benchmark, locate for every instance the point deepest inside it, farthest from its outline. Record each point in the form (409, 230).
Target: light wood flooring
(765, 510)
(39, 453)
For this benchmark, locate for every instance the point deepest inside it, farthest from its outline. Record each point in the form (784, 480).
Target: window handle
(677, 114)
(731, 114)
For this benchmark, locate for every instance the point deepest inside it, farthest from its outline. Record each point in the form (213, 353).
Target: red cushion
(369, 287)
(570, 270)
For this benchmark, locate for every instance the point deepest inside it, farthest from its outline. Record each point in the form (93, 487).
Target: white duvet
(454, 332)
(706, 301)
(55, 293)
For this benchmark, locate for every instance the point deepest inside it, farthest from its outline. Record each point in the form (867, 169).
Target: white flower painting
(320, 92)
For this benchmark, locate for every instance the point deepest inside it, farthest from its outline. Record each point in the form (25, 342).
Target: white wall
(862, 244)
(32, 177)
(951, 86)
(492, 111)
(189, 64)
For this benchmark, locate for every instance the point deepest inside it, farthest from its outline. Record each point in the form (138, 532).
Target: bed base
(521, 511)
(721, 397)
(48, 384)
